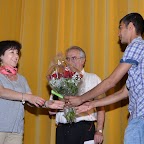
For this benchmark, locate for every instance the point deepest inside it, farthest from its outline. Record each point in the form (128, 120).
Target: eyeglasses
(73, 58)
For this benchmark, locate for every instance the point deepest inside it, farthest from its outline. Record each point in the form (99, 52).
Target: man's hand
(84, 107)
(73, 100)
(54, 104)
(98, 138)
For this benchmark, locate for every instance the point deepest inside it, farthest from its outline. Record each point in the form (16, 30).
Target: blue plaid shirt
(134, 54)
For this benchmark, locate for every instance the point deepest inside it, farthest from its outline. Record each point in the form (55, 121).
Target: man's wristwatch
(100, 131)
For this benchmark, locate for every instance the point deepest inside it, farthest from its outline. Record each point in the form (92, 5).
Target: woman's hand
(35, 100)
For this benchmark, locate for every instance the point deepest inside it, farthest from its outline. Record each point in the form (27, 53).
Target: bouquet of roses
(64, 81)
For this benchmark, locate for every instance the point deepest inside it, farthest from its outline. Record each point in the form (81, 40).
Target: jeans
(134, 133)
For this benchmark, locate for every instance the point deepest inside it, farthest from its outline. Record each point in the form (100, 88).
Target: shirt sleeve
(132, 54)
(95, 80)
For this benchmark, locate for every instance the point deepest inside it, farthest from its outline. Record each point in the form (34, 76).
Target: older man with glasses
(83, 129)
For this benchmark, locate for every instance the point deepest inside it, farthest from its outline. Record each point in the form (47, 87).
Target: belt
(80, 122)
(88, 123)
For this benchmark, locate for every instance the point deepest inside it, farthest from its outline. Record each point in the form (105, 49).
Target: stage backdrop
(46, 27)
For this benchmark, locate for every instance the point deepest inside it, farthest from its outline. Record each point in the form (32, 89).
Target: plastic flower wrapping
(64, 80)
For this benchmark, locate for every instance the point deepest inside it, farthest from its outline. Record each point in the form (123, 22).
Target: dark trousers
(75, 133)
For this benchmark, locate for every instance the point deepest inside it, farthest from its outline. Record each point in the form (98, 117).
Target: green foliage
(70, 115)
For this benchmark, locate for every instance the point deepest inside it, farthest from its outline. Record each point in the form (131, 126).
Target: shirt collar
(83, 71)
(137, 38)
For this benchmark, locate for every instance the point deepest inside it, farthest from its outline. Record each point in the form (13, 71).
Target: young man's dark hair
(137, 21)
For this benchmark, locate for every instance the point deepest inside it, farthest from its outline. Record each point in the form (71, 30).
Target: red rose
(59, 75)
(66, 74)
(54, 75)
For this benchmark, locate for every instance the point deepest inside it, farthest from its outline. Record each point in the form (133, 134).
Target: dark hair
(9, 44)
(137, 21)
